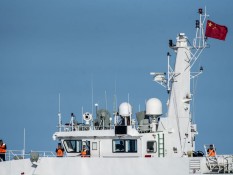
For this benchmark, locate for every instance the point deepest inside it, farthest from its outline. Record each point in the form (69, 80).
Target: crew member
(59, 150)
(2, 150)
(211, 152)
(84, 151)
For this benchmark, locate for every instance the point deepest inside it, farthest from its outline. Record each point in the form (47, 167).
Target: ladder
(161, 145)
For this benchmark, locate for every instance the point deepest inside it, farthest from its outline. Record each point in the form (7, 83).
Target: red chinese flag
(216, 31)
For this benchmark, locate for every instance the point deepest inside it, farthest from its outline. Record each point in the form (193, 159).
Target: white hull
(97, 166)
(108, 166)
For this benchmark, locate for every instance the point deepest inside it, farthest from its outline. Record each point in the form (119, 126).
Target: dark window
(124, 146)
(73, 146)
(151, 147)
(131, 146)
(120, 130)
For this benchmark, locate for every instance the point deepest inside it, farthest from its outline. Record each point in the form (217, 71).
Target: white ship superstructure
(154, 143)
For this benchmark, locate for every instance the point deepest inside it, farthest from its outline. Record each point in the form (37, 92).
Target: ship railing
(45, 153)
(16, 154)
(226, 161)
(20, 154)
(82, 127)
(220, 163)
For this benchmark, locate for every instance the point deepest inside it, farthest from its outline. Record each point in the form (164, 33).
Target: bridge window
(151, 147)
(73, 146)
(124, 146)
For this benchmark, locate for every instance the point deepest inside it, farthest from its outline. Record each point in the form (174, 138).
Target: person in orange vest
(59, 150)
(211, 152)
(84, 151)
(2, 150)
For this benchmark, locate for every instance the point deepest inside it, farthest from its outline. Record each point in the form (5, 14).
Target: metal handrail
(20, 154)
(69, 128)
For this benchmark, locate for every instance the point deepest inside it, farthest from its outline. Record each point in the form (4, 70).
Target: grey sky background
(49, 47)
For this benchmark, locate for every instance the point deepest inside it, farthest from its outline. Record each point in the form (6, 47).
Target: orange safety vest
(84, 153)
(59, 152)
(212, 152)
(3, 148)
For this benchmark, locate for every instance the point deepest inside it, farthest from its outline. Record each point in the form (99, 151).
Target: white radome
(154, 107)
(125, 109)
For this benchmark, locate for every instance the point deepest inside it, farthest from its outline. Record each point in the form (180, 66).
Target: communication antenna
(96, 109)
(106, 102)
(92, 96)
(114, 104)
(59, 102)
(82, 113)
(115, 100)
(24, 142)
(59, 113)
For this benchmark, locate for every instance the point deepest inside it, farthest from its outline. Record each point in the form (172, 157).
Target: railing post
(8, 155)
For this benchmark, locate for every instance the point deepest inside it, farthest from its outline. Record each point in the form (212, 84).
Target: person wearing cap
(59, 150)
(2, 150)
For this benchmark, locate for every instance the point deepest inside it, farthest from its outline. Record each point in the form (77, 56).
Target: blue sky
(49, 47)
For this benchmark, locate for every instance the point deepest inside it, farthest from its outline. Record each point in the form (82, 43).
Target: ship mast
(180, 131)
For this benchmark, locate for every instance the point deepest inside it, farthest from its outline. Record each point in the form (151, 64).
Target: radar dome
(154, 107)
(125, 109)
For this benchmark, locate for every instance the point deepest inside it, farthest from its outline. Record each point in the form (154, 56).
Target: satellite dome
(125, 109)
(154, 107)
